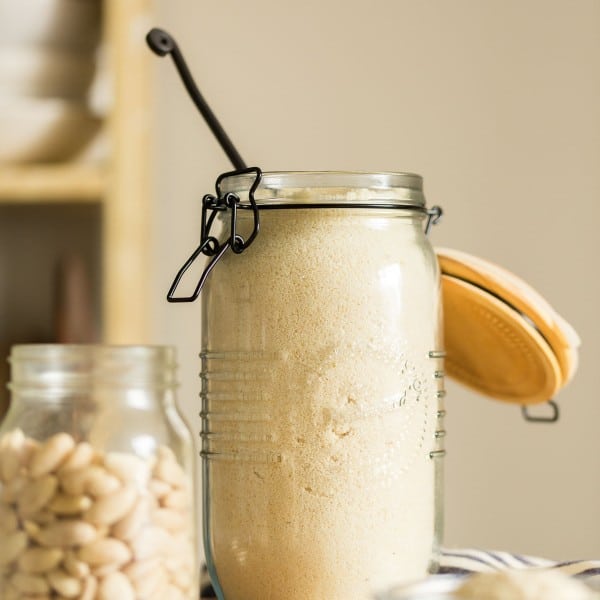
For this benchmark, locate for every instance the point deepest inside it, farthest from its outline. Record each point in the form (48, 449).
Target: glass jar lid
(303, 189)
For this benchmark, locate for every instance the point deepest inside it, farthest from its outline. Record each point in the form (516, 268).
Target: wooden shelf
(100, 211)
(121, 186)
(52, 183)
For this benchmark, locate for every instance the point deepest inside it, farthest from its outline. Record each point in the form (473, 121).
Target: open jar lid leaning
(502, 338)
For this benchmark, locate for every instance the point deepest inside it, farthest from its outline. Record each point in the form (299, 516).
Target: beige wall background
(497, 104)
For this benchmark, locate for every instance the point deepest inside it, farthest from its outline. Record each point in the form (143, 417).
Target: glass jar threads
(322, 371)
(96, 476)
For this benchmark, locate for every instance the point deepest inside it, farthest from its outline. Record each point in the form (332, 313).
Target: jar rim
(77, 365)
(293, 189)
(57, 349)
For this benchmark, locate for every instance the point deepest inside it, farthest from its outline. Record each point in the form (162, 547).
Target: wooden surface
(52, 183)
(127, 203)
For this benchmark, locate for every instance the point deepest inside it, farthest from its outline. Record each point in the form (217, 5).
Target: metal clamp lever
(434, 214)
(551, 418)
(210, 245)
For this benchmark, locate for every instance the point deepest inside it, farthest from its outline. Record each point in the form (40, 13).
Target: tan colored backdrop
(497, 104)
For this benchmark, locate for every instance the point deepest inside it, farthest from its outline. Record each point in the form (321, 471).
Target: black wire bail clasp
(434, 214)
(210, 246)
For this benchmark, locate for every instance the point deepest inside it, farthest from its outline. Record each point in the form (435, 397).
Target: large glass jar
(96, 477)
(322, 371)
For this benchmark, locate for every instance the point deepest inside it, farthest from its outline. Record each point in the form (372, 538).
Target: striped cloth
(460, 562)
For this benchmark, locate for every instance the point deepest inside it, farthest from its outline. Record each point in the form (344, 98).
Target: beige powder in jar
(322, 406)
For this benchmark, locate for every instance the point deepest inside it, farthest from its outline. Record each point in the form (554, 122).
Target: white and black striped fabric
(460, 562)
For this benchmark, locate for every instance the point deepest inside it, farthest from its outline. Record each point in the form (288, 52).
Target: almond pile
(79, 523)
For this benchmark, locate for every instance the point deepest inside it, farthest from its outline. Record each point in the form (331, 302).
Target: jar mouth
(289, 189)
(80, 366)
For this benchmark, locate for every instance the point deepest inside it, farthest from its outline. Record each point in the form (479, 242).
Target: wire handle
(162, 43)
(551, 418)
(434, 214)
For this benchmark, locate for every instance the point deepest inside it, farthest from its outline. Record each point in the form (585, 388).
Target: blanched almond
(180, 564)
(161, 592)
(90, 587)
(27, 583)
(51, 454)
(151, 542)
(36, 493)
(42, 517)
(168, 518)
(159, 488)
(74, 566)
(177, 499)
(82, 456)
(10, 492)
(66, 585)
(129, 526)
(66, 504)
(140, 569)
(92, 480)
(115, 585)
(73, 481)
(110, 508)
(183, 578)
(10, 454)
(170, 472)
(103, 570)
(8, 519)
(10, 593)
(174, 593)
(151, 583)
(12, 546)
(40, 560)
(100, 482)
(166, 453)
(129, 468)
(105, 551)
(67, 533)
(32, 528)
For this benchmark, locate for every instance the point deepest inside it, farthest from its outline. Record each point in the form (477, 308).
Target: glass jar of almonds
(96, 477)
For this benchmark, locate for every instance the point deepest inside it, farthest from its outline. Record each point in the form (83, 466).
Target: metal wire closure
(161, 43)
(224, 201)
(210, 245)
(434, 214)
(551, 418)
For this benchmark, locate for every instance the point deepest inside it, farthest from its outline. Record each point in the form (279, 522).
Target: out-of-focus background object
(72, 24)
(43, 129)
(75, 320)
(42, 72)
(47, 64)
(75, 206)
